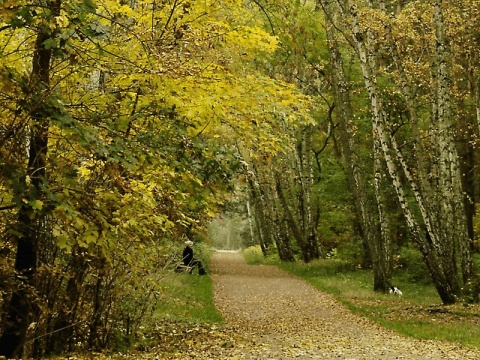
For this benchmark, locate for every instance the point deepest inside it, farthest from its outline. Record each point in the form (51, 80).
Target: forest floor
(270, 314)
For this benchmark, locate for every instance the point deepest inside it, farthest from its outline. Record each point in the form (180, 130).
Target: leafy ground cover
(282, 317)
(266, 314)
(418, 313)
(187, 298)
(185, 321)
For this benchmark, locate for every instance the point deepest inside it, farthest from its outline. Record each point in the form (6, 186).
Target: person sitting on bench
(190, 261)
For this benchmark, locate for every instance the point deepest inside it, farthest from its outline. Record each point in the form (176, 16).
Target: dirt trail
(277, 316)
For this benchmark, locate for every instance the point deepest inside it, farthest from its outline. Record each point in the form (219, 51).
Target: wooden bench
(181, 268)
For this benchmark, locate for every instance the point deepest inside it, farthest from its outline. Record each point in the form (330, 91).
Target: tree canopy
(128, 125)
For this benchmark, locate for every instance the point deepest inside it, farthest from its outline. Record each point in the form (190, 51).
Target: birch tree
(295, 192)
(378, 243)
(433, 181)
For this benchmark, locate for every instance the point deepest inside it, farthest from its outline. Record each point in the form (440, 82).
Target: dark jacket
(187, 255)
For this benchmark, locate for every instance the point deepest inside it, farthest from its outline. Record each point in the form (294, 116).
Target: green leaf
(50, 44)
(61, 239)
(89, 6)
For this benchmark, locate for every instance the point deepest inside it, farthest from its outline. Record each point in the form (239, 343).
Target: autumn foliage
(116, 126)
(125, 125)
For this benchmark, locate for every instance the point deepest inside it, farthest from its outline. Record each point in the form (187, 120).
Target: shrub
(253, 255)
(351, 251)
(410, 260)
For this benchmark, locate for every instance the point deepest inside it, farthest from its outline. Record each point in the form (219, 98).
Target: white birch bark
(367, 62)
(384, 244)
(305, 224)
(422, 184)
(378, 122)
(451, 196)
(378, 242)
(436, 183)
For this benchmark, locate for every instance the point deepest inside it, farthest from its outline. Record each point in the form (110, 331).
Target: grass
(418, 313)
(188, 298)
(185, 310)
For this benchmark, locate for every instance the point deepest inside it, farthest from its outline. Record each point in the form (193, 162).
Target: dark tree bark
(22, 302)
(261, 219)
(308, 246)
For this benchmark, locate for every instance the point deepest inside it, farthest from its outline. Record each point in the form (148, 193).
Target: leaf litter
(270, 314)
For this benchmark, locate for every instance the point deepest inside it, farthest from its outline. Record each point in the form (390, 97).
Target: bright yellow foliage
(133, 87)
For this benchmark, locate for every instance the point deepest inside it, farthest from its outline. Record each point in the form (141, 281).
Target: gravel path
(277, 316)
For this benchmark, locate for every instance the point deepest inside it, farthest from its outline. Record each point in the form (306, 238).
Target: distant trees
(123, 125)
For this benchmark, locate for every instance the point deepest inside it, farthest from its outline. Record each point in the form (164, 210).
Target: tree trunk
(382, 244)
(309, 209)
(453, 216)
(382, 137)
(293, 225)
(378, 243)
(263, 215)
(22, 303)
(282, 241)
(444, 217)
(250, 222)
(259, 215)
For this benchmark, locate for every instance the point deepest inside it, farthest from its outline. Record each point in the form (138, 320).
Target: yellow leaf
(36, 204)
(61, 21)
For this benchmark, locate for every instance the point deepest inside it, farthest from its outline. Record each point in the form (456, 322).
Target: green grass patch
(185, 310)
(418, 313)
(453, 332)
(188, 297)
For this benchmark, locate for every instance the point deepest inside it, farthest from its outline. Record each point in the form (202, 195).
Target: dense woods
(128, 125)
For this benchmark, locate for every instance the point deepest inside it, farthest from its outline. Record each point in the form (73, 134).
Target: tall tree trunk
(382, 243)
(250, 218)
(259, 212)
(466, 151)
(441, 270)
(293, 223)
(441, 202)
(378, 243)
(454, 216)
(29, 227)
(282, 240)
(262, 214)
(309, 210)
